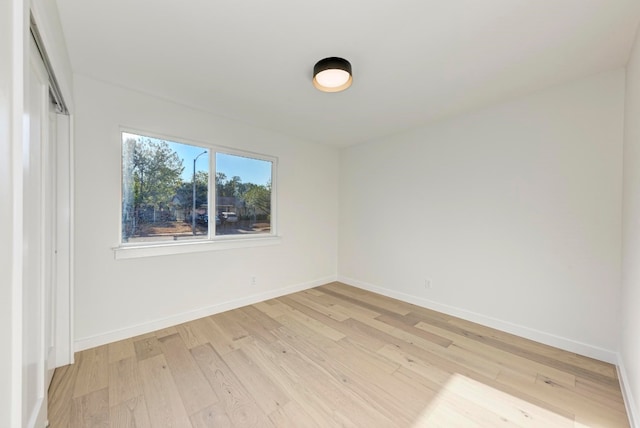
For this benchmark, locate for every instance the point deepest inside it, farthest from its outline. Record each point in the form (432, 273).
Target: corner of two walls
(509, 216)
(630, 299)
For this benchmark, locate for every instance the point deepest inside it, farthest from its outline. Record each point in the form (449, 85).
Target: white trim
(19, 71)
(125, 333)
(506, 326)
(632, 412)
(64, 242)
(169, 248)
(72, 240)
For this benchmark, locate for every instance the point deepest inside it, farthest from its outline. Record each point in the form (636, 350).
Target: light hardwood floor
(328, 357)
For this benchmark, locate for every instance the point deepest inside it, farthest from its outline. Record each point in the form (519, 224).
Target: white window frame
(213, 242)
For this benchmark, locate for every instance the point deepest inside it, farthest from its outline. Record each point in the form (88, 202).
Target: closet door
(38, 245)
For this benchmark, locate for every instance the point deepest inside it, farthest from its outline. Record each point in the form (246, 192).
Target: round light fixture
(332, 74)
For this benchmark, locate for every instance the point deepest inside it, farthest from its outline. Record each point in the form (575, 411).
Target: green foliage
(156, 170)
(185, 191)
(233, 187)
(258, 197)
(151, 177)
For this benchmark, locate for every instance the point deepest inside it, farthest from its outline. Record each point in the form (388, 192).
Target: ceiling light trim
(332, 74)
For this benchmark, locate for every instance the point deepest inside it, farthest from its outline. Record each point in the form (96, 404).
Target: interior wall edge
(546, 338)
(113, 336)
(627, 394)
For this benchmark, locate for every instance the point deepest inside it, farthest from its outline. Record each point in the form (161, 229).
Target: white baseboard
(506, 326)
(136, 330)
(630, 403)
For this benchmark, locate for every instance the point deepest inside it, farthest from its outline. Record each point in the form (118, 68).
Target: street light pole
(193, 211)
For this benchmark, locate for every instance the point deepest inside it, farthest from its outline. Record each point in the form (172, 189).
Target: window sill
(166, 248)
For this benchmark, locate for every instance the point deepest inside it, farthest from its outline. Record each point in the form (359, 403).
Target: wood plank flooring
(333, 356)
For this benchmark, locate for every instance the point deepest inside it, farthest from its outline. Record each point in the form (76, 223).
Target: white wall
(117, 298)
(7, 383)
(513, 212)
(630, 337)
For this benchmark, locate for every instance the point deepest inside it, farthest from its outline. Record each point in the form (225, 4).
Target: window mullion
(211, 203)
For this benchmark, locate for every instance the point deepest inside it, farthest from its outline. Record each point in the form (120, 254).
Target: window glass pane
(162, 182)
(243, 195)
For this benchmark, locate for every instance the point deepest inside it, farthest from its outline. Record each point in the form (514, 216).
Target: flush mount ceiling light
(332, 74)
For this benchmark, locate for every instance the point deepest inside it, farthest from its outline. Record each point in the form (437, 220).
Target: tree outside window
(158, 191)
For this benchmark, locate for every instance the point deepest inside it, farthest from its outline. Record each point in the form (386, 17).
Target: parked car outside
(202, 219)
(229, 217)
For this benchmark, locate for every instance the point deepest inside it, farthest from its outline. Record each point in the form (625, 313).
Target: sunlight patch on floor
(464, 402)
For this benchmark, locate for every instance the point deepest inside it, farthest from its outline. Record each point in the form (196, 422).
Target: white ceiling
(413, 61)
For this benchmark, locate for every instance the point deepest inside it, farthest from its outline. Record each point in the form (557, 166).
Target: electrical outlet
(427, 283)
(254, 281)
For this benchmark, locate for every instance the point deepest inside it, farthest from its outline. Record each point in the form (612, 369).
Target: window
(169, 195)
(243, 194)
